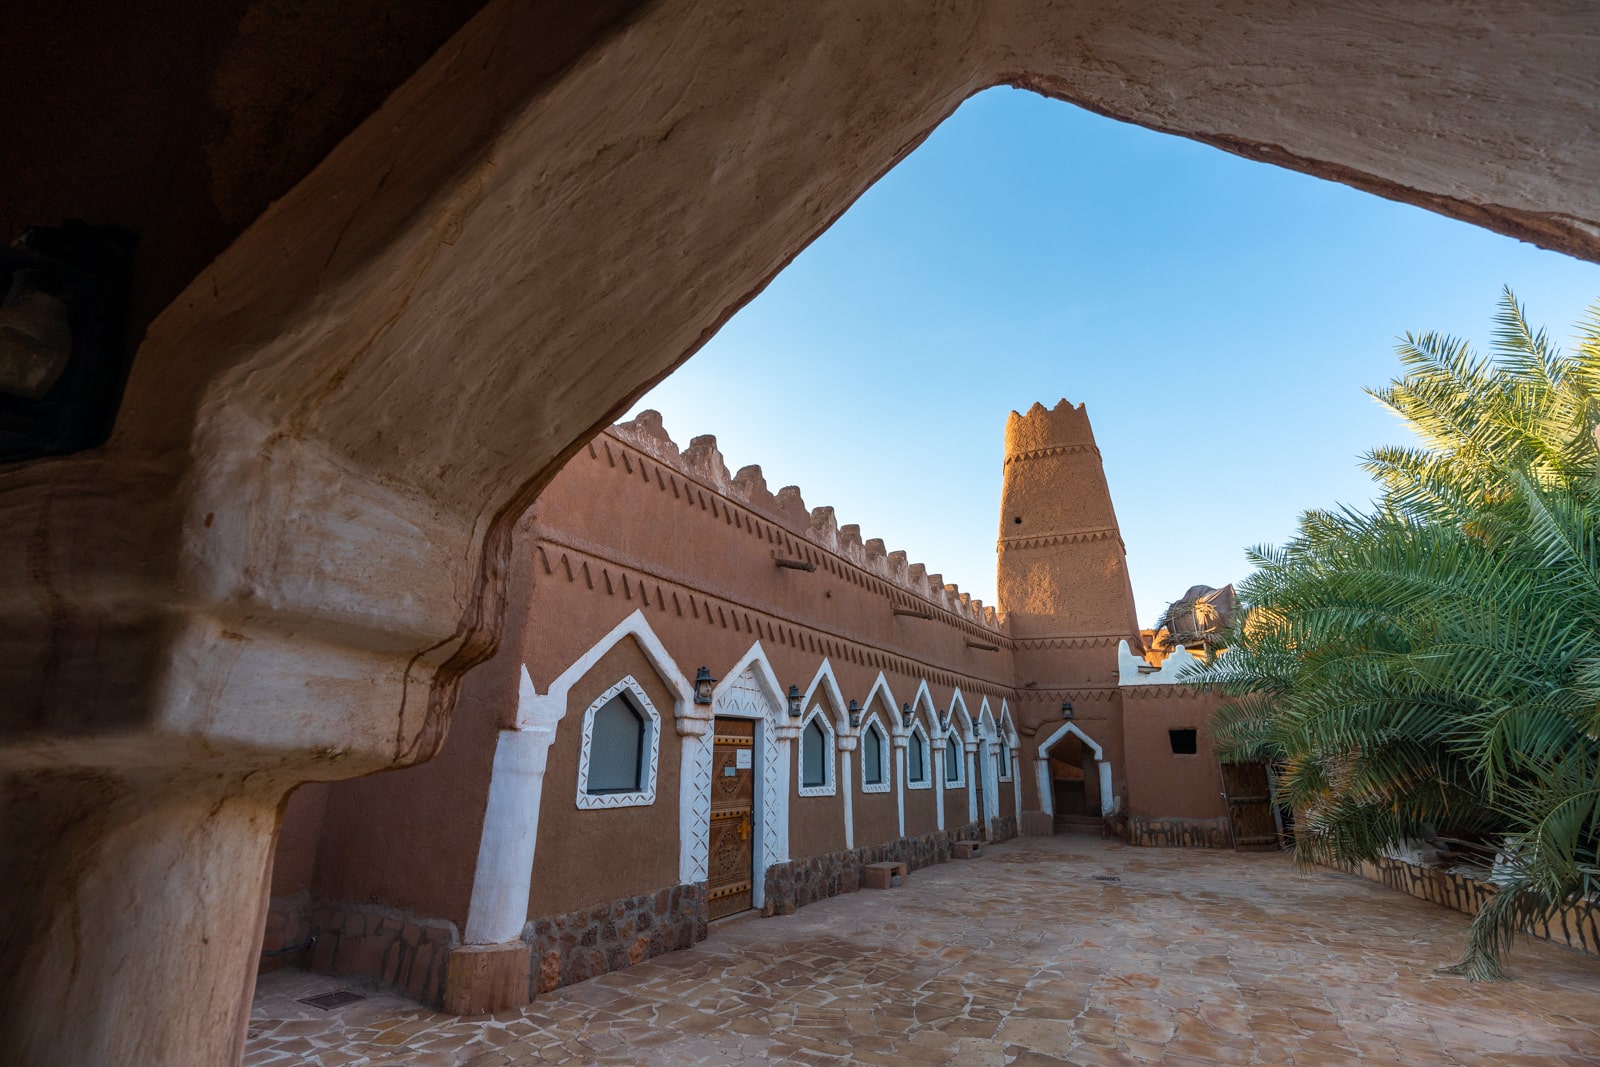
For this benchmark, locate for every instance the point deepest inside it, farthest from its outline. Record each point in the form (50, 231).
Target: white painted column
(1107, 804)
(504, 875)
(1016, 786)
(847, 744)
(694, 799)
(938, 744)
(1047, 800)
(787, 735)
(971, 748)
(900, 741)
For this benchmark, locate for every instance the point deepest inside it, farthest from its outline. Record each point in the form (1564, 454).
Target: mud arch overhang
(296, 540)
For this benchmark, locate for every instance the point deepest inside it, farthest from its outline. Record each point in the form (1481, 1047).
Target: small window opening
(616, 754)
(1005, 760)
(814, 755)
(872, 755)
(952, 759)
(917, 756)
(1184, 742)
(1017, 519)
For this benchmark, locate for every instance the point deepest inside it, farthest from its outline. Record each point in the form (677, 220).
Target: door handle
(744, 828)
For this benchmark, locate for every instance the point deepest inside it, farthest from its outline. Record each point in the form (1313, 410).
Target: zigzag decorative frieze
(1178, 690)
(1056, 450)
(1035, 644)
(1071, 537)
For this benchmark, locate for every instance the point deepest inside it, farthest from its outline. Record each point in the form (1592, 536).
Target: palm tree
(1432, 665)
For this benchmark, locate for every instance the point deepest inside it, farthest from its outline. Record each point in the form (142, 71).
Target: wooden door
(1249, 796)
(731, 856)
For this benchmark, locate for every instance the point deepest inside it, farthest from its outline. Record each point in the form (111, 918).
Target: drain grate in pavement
(329, 1001)
(1109, 879)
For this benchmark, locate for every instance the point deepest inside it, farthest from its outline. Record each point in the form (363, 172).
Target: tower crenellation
(1062, 570)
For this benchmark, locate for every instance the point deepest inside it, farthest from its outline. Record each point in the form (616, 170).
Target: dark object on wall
(64, 352)
(1184, 742)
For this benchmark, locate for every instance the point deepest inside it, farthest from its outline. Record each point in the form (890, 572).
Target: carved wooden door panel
(731, 855)
(1248, 792)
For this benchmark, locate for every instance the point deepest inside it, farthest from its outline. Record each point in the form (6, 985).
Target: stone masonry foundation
(577, 945)
(1178, 833)
(398, 949)
(805, 881)
(1576, 926)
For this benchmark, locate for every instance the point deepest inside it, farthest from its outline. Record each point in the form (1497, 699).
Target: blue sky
(1219, 317)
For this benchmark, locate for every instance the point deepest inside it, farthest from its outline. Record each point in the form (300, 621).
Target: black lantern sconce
(906, 715)
(794, 702)
(1066, 710)
(855, 715)
(703, 683)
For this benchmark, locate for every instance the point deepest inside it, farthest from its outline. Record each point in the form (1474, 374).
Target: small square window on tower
(1184, 742)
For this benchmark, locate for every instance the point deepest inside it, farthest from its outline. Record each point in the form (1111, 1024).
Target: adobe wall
(635, 527)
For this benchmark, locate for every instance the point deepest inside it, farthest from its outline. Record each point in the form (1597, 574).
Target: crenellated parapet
(703, 462)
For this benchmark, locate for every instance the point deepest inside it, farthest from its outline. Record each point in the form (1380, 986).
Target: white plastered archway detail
(1008, 730)
(504, 875)
(897, 735)
(825, 685)
(960, 719)
(1047, 800)
(986, 757)
(750, 690)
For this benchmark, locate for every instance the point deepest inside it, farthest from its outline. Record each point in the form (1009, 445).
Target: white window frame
(642, 704)
(885, 754)
(1008, 766)
(955, 740)
(927, 754)
(829, 786)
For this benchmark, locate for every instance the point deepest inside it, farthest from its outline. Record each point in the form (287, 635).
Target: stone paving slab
(1022, 957)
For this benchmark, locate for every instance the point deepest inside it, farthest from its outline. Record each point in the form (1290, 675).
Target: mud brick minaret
(1063, 572)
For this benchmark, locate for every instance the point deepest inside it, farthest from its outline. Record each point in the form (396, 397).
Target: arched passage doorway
(1073, 742)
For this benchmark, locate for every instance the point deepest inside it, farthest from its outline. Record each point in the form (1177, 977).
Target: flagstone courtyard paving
(1021, 957)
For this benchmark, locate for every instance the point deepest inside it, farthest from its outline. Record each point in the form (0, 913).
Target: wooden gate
(1248, 792)
(731, 853)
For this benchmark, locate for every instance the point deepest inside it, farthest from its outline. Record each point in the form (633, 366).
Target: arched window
(816, 756)
(917, 759)
(617, 765)
(954, 760)
(874, 759)
(616, 760)
(1005, 759)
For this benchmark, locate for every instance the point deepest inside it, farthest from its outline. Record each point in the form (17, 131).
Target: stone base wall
(398, 949)
(1576, 926)
(1037, 824)
(1177, 833)
(288, 928)
(1002, 828)
(577, 945)
(805, 881)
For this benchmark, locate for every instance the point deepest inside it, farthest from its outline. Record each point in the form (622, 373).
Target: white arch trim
(959, 703)
(830, 756)
(504, 874)
(1047, 800)
(826, 685)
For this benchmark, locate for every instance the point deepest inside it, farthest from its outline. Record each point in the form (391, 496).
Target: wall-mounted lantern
(703, 682)
(855, 715)
(1066, 710)
(794, 702)
(906, 715)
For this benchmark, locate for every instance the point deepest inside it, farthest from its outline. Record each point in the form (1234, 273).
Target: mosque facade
(712, 700)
